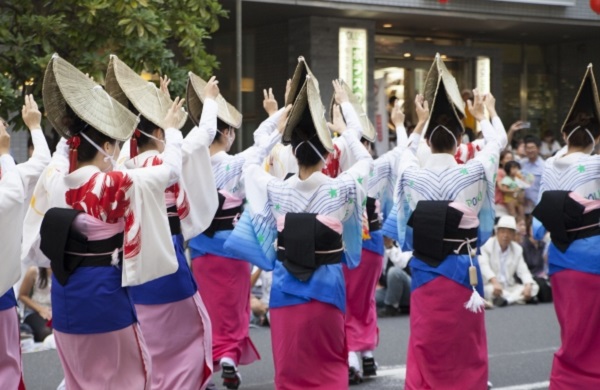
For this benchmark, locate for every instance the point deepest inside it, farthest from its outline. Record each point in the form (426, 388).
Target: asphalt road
(521, 341)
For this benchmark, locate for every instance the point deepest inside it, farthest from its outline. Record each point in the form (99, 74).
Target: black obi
(69, 249)
(436, 234)
(372, 216)
(305, 244)
(564, 218)
(174, 222)
(223, 219)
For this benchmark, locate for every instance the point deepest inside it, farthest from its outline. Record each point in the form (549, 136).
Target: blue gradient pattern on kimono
(471, 184)
(8, 300)
(170, 288)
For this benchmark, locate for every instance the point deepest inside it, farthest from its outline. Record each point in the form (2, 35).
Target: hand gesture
(174, 114)
(211, 89)
(341, 96)
(164, 85)
(397, 115)
(4, 139)
(422, 108)
(31, 115)
(284, 118)
(490, 104)
(46, 313)
(477, 107)
(288, 86)
(338, 125)
(269, 102)
(518, 125)
(497, 289)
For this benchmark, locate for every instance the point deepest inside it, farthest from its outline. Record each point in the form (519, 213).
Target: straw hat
(586, 100)
(226, 112)
(64, 85)
(308, 103)
(368, 130)
(125, 85)
(443, 96)
(300, 73)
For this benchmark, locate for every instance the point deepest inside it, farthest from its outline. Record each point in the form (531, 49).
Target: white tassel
(476, 303)
(115, 257)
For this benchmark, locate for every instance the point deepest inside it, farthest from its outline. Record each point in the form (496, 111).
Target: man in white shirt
(501, 260)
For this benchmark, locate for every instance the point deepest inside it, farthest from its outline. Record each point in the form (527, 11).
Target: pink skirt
(447, 348)
(178, 338)
(111, 360)
(10, 350)
(309, 347)
(362, 333)
(577, 363)
(224, 286)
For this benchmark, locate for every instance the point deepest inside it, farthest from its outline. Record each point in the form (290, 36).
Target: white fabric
(16, 186)
(491, 264)
(151, 254)
(281, 161)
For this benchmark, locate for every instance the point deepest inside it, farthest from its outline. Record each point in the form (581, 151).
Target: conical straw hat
(125, 85)
(64, 85)
(438, 73)
(195, 99)
(308, 102)
(586, 99)
(302, 70)
(368, 130)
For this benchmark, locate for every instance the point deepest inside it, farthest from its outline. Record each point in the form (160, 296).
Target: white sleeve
(352, 120)
(484, 264)
(7, 163)
(364, 161)
(204, 133)
(31, 170)
(495, 137)
(266, 127)
(172, 155)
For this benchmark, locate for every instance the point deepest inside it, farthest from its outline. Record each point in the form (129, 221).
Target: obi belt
(372, 216)
(223, 219)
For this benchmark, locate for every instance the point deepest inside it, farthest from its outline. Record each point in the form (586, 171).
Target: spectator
(532, 167)
(259, 297)
(393, 295)
(512, 186)
(35, 295)
(549, 145)
(501, 259)
(535, 254)
(469, 121)
(505, 156)
(391, 127)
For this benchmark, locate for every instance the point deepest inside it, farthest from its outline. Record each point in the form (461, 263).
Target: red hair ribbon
(133, 150)
(73, 143)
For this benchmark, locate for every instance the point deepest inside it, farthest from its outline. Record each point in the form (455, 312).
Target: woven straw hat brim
(64, 85)
(443, 105)
(125, 85)
(300, 73)
(308, 102)
(586, 99)
(436, 74)
(368, 130)
(195, 100)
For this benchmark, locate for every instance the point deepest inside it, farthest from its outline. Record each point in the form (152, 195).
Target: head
(148, 143)
(303, 136)
(505, 231)
(583, 132)
(445, 135)
(225, 136)
(532, 147)
(505, 156)
(88, 154)
(44, 274)
(548, 137)
(367, 144)
(512, 168)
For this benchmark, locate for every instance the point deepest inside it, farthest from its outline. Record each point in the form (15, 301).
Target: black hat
(586, 102)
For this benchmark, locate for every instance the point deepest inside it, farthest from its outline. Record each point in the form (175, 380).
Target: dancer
(172, 316)
(295, 227)
(224, 280)
(16, 185)
(444, 209)
(101, 229)
(569, 209)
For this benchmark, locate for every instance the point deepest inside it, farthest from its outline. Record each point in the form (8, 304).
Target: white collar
(439, 161)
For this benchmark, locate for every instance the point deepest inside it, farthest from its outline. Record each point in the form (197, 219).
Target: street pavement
(521, 342)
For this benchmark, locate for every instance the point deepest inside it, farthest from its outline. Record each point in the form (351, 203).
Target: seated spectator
(35, 295)
(259, 296)
(501, 260)
(393, 293)
(513, 186)
(549, 145)
(536, 257)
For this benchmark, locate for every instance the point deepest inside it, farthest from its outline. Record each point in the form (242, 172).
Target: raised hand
(211, 89)
(422, 109)
(490, 104)
(341, 96)
(477, 107)
(284, 118)
(338, 125)
(31, 114)
(164, 84)
(288, 86)
(4, 139)
(174, 114)
(269, 102)
(397, 115)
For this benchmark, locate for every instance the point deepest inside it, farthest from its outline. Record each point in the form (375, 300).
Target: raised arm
(204, 133)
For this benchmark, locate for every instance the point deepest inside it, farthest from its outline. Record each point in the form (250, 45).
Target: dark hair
(43, 274)
(441, 141)
(392, 99)
(532, 139)
(86, 151)
(503, 154)
(221, 126)
(147, 127)
(580, 138)
(510, 165)
(305, 131)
